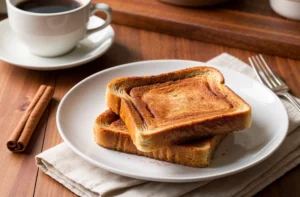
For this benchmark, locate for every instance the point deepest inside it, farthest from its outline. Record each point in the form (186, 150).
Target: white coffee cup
(54, 34)
(287, 8)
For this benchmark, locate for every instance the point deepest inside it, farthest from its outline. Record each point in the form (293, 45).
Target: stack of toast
(179, 117)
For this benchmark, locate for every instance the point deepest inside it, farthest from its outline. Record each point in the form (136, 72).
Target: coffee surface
(48, 6)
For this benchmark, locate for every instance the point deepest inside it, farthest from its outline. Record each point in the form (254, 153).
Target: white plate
(14, 52)
(84, 102)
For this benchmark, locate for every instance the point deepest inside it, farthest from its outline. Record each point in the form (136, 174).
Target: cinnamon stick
(20, 137)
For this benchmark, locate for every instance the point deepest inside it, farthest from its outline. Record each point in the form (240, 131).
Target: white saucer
(14, 52)
(238, 151)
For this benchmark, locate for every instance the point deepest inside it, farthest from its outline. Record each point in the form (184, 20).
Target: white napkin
(84, 179)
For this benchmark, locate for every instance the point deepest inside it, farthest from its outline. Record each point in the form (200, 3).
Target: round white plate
(14, 52)
(238, 151)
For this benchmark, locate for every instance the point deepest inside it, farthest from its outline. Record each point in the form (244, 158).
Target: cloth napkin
(85, 179)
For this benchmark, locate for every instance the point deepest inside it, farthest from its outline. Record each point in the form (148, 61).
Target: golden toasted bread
(178, 106)
(110, 132)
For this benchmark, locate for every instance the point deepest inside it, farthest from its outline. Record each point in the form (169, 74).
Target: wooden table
(246, 24)
(19, 174)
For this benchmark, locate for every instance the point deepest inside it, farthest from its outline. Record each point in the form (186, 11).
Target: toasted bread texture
(175, 107)
(110, 132)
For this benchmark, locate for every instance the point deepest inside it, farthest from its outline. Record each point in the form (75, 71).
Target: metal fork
(270, 79)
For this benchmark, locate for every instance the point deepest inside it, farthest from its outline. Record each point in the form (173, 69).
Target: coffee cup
(54, 31)
(287, 8)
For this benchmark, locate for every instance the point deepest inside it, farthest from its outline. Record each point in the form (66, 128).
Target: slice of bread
(110, 132)
(175, 107)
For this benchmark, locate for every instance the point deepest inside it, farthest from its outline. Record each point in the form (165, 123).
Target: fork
(266, 76)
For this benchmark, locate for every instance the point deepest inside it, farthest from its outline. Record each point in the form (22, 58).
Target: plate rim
(63, 65)
(174, 179)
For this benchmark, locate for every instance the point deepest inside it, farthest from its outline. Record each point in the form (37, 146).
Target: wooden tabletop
(246, 24)
(19, 174)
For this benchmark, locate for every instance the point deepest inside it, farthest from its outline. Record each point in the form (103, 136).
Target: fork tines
(265, 73)
(269, 79)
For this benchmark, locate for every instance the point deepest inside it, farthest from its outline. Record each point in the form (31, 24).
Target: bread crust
(195, 154)
(122, 103)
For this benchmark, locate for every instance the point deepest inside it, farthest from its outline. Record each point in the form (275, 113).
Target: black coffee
(48, 6)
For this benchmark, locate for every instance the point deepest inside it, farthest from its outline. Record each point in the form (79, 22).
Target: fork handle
(291, 99)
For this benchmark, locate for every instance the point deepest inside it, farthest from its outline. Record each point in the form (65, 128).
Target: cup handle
(104, 8)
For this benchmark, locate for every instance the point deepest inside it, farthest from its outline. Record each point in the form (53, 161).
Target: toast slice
(175, 107)
(110, 132)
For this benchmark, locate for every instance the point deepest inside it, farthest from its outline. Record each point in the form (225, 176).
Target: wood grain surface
(18, 172)
(245, 24)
